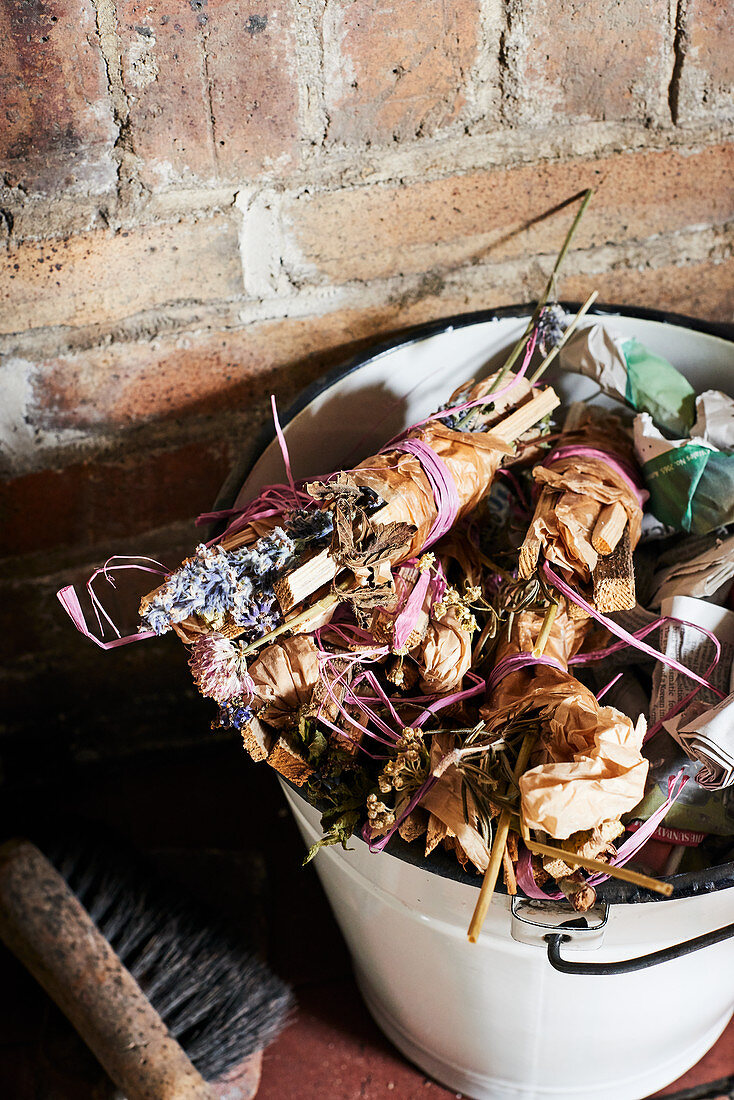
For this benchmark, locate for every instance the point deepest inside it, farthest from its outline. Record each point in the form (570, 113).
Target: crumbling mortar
(59, 340)
(39, 218)
(309, 61)
(484, 81)
(680, 48)
(512, 40)
(125, 446)
(208, 86)
(696, 244)
(131, 193)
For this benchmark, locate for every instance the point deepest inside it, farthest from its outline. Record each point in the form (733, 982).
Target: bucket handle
(626, 966)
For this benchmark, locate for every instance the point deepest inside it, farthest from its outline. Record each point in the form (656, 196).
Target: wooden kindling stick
(614, 578)
(306, 578)
(598, 865)
(609, 527)
(498, 849)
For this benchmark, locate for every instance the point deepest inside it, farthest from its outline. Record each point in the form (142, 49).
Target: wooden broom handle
(47, 929)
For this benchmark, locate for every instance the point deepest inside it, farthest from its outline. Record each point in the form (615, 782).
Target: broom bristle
(217, 998)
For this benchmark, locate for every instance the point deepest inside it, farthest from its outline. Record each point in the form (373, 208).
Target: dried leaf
(375, 546)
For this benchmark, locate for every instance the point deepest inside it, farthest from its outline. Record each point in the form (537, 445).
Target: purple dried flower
(216, 583)
(234, 715)
(551, 326)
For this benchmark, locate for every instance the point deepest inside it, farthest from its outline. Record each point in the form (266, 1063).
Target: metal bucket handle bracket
(586, 936)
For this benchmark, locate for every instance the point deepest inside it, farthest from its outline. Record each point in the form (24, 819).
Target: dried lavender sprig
(564, 339)
(546, 293)
(216, 583)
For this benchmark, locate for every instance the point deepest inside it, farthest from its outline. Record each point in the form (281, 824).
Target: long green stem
(546, 293)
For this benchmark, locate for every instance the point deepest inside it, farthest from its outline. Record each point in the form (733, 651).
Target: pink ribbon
(445, 493)
(69, 600)
(514, 662)
(408, 616)
(625, 635)
(614, 462)
(283, 447)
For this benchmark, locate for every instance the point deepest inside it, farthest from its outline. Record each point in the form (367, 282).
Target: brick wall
(206, 201)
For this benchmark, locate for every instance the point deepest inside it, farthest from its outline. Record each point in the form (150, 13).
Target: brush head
(217, 998)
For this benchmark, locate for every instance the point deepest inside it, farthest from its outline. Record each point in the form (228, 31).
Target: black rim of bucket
(690, 884)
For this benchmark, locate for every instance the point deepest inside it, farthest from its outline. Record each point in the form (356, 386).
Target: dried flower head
(309, 525)
(218, 668)
(409, 768)
(461, 605)
(234, 715)
(551, 326)
(379, 816)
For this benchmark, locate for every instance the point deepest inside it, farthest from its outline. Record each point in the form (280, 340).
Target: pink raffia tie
(626, 637)
(445, 493)
(614, 462)
(514, 662)
(69, 600)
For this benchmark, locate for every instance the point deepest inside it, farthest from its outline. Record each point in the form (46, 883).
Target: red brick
(707, 75)
(94, 502)
(211, 87)
(125, 385)
(385, 229)
(576, 59)
(103, 276)
(703, 290)
(57, 126)
(175, 377)
(252, 69)
(395, 72)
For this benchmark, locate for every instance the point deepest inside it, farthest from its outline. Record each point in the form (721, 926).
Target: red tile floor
(215, 823)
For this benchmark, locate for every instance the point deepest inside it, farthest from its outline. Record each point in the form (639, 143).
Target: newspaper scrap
(710, 740)
(699, 808)
(628, 371)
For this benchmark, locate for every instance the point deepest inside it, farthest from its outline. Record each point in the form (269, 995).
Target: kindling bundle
(397, 638)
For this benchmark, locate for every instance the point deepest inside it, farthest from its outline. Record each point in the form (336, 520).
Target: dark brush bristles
(215, 996)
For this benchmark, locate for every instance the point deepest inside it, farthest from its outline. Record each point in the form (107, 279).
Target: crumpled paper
(284, 676)
(627, 370)
(593, 769)
(709, 738)
(691, 481)
(588, 767)
(575, 488)
(584, 485)
(444, 655)
(702, 576)
(444, 801)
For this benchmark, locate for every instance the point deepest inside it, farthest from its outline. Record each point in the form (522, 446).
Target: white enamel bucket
(495, 1020)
